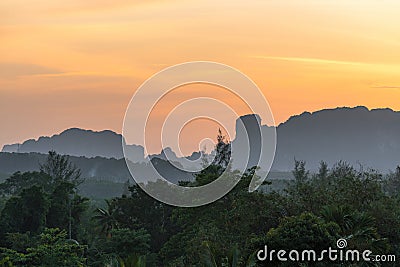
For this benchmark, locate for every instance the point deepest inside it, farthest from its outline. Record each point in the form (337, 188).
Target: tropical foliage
(45, 222)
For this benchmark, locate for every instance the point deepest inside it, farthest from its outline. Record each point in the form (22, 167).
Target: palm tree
(231, 260)
(358, 228)
(133, 260)
(106, 219)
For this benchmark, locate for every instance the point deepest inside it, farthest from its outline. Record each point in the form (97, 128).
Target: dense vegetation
(45, 222)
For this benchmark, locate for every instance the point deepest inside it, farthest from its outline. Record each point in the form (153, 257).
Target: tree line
(45, 222)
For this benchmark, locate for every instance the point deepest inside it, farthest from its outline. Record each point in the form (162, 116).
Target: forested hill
(356, 135)
(370, 138)
(97, 168)
(79, 142)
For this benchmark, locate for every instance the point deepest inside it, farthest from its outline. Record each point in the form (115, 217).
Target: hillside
(357, 135)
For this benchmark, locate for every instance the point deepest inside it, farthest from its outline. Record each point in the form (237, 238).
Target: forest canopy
(46, 222)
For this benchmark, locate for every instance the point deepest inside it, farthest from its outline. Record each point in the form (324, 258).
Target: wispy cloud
(312, 60)
(65, 74)
(386, 87)
(13, 70)
(372, 67)
(160, 65)
(79, 73)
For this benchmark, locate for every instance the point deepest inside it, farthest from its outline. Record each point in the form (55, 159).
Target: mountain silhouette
(356, 135)
(79, 142)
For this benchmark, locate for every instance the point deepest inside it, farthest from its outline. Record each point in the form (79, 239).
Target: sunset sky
(77, 63)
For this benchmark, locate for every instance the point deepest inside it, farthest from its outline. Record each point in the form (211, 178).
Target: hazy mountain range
(78, 142)
(356, 135)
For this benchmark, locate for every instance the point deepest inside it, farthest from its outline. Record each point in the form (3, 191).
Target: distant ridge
(356, 135)
(78, 142)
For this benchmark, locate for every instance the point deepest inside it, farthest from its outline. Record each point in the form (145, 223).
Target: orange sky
(77, 63)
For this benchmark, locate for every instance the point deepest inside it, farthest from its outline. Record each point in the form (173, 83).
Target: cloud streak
(360, 66)
(386, 87)
(79, 73)
(312, 60)
(14, 70)
(65, 74)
